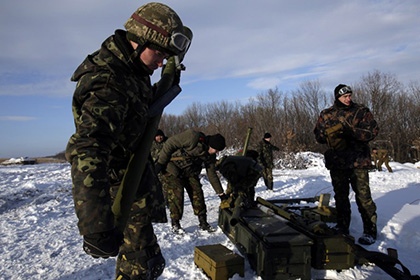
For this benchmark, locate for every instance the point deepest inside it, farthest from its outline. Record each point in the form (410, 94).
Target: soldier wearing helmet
(111, 112)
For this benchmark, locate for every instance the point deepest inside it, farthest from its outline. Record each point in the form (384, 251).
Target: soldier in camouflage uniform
(380, 157)
(110, 108)
(242, 173)
(157, 145)
(181, 161)
(347, 128)
(265, 158)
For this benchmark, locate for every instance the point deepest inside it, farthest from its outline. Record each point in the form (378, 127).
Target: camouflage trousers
(379, 165)
(268, 177)
(358, 179)
(140, 242)
(175, 192)
(164, 188)
(245, 188)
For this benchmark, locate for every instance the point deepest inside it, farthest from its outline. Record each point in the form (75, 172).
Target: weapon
(246, 144)
(137, 164)
(262, 233)
(165, 93)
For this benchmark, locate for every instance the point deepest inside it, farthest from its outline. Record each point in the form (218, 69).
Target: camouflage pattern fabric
(155, 150)
(185, 154)
(360, 129)
(162, 22)
(359, 181)
(349, 165)
(176, 186)
(110, 108)
(265, 158)
(242, 174)
(380, 158)
(265, 153)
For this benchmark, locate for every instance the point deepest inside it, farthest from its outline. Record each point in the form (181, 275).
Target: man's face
(153, 59)
(345, 99)
(159, 138)
(212, 151)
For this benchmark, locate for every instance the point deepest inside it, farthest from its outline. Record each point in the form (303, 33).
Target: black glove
(223, 196)
(160, 168)
(103, 244)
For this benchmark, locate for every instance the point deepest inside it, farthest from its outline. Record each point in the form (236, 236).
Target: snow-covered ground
(39, 237)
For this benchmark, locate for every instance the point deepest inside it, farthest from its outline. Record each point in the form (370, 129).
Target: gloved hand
(103, 244)
(223, 196)
(160, 168)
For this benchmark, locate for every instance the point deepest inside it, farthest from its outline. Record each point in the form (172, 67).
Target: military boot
(203, 225)
(176, 227)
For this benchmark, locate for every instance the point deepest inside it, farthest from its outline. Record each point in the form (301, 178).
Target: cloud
(264, 83)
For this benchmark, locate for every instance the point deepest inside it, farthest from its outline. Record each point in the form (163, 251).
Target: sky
(37, 219)
(240, 49)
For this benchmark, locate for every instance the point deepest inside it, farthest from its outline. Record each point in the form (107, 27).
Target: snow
(39, 237)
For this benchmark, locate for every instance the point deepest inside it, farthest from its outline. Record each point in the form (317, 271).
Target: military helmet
(159, 26)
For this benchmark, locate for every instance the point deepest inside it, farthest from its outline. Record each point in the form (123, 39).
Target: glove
(103, 244)
(160, 168)
(223, 196)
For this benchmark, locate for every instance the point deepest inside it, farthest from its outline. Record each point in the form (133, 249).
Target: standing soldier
(380, 157)
(181, 161)
(347, 128)
(111, 111)
(157, 145)
(265, 158)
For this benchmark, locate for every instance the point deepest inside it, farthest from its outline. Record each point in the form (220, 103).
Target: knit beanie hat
(267, 135)
(340, 90)
(217, 142)
(159, 133)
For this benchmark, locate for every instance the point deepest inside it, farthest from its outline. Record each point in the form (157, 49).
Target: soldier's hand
(103, 244)
(223, 196)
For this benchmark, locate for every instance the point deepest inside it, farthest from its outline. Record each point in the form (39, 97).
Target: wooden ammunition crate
(218, 262)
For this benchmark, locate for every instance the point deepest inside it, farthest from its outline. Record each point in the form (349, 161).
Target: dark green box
(274, 250)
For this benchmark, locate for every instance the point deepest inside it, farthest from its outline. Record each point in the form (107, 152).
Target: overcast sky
(240, 49)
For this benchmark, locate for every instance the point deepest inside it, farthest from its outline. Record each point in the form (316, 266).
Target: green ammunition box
(218, 262)
(332, 252)
(274, 250)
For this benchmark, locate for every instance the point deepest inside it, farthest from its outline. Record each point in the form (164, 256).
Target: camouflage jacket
(360, 128)
(265, 153)
(110, 109)
(186, 153)
(156, 147)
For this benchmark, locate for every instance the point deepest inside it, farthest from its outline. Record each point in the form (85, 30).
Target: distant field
(41, 160)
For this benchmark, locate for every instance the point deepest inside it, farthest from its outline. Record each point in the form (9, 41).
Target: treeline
(290, 117)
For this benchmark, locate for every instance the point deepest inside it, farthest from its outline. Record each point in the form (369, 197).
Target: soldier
(242, 173)
(181, 160)
(110, 108)
(380, 157)
(347, 128)
(157, 145)
(265, 158)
